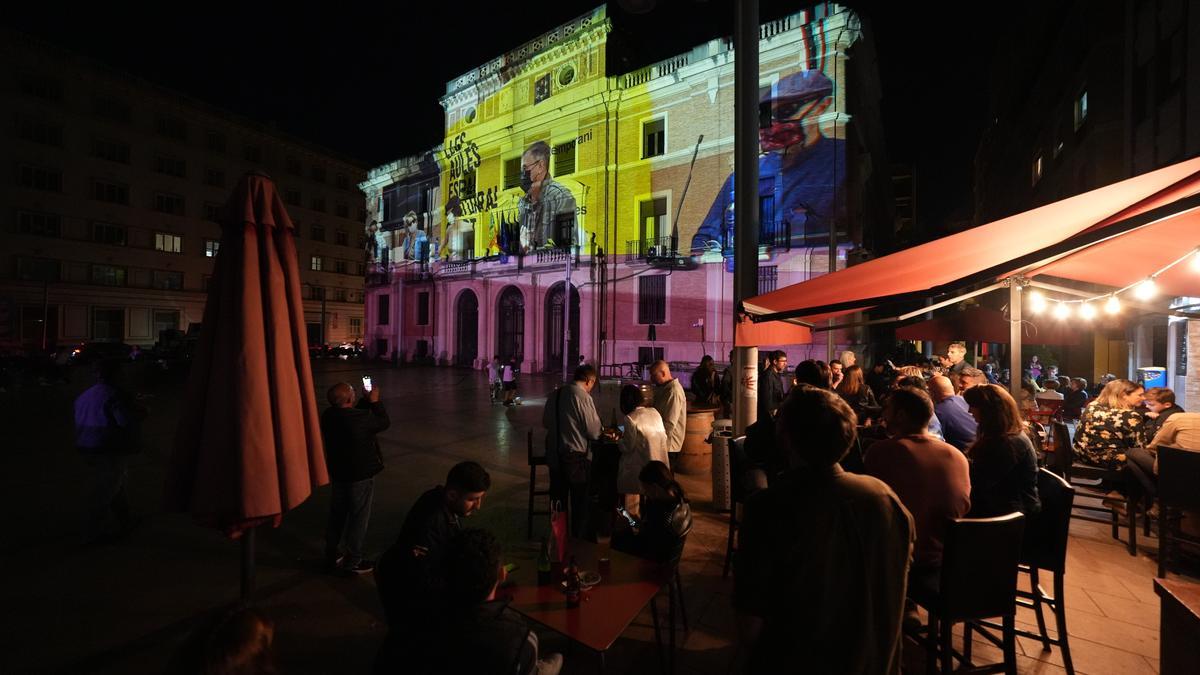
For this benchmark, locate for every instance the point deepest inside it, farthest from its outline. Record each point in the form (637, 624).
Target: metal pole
(1014, 337)
(567, 370)
(324, 336)
(745, 206)
(745, 402)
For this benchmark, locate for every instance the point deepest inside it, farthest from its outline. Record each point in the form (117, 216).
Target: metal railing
(658, 247)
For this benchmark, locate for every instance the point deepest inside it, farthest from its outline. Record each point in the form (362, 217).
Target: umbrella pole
(248, 563)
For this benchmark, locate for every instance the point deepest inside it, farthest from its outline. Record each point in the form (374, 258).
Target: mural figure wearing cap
(547, 210)
(799, 167)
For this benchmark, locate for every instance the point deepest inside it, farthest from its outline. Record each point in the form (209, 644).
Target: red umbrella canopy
(248, 447)
(981, 324)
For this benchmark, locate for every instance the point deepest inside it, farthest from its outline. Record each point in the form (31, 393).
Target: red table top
(605, 611)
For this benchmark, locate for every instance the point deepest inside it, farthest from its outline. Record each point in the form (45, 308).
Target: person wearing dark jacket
(770, 385)
(353, 457)
(666, 518)
(484, 635)
(1003, 461)
(411, 576)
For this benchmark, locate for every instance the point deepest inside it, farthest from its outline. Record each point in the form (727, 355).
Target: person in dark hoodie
(353, 457)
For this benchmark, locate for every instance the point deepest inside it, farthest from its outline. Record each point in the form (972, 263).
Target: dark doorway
(314, 334)
(555, 328)
(510, 325)
(466, 340)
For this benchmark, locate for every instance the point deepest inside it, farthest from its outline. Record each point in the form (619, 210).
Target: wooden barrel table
(696, 455)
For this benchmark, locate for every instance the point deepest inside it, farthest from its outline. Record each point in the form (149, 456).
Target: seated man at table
(931, 477)
(958, 427)
(822, 563)
(410, 575)
(482, 634)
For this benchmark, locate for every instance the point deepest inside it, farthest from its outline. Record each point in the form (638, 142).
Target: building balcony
(658, 247)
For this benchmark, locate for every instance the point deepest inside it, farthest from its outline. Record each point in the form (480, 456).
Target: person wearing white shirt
(643, 440)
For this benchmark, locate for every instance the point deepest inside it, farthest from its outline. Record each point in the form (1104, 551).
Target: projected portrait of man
(799, 169)
(546, 212)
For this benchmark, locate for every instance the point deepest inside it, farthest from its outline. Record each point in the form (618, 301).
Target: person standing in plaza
(494, 383)
(571, 424)
(508, 378)
(107, 421)
(671, 403)
(770, 385)
(823, 554)
(643, 440)
(354, 459)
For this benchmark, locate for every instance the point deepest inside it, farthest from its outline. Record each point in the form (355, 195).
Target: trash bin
(722, 490)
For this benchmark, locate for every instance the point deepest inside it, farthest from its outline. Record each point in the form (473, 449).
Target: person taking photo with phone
(353, 457)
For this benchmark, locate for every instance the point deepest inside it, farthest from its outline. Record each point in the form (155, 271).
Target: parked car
(90, 352)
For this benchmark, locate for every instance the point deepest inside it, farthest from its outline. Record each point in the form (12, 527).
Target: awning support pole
(1015, 367)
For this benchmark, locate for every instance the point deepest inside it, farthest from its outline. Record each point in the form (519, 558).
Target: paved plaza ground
(124, 608)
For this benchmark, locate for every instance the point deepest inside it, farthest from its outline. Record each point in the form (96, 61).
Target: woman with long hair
(705, 383)
(666, 517)
(855, 391)
(1110, 425)
(1003, 461)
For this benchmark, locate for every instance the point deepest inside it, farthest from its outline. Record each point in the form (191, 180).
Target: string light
(1142, 290)
(1037, 302)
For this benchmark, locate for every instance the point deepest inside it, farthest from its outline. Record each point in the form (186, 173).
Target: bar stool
(1087, 480)
(1178, 473)
(1044, 547)
(977, 580)
(534, 463)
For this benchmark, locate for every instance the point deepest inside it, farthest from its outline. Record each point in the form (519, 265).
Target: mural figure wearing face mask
(546, 212)
(800, 171)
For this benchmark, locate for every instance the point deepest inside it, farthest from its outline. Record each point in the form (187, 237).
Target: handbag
(558, 532)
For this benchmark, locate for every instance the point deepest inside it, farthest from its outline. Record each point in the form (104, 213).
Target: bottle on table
(543, 563)
(573, 589)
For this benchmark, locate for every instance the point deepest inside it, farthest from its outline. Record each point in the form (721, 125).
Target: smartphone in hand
(628, 518)
(366, 380)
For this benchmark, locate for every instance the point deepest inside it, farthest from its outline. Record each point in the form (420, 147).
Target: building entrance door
(466, 338)
(510, 325)
(555, 329)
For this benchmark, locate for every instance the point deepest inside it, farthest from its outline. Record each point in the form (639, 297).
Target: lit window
(1081, 109)
(168, 243)
(316, 263)
(211, 247)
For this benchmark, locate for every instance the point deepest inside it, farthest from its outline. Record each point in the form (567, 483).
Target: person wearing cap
(801, 168)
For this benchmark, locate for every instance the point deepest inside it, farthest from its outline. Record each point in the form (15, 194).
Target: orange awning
(770, 334)
(1114, 235)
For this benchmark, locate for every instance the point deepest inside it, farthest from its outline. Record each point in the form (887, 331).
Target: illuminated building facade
(111, 196)
(633, 197)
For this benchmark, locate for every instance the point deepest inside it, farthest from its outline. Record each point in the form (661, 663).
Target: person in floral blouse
(1111, 424)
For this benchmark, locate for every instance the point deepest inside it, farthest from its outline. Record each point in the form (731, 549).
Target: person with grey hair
(353, 457)
(671, 404)
(546, 212)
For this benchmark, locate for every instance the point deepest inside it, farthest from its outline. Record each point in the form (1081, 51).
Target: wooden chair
(1044, 547)
(1087, 480)
(977, 580)
(1178, 476)
(534, 463)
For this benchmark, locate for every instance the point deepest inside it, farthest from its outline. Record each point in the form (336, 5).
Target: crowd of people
(870, 463)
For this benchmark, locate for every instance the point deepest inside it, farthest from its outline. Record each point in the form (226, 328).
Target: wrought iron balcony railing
(658, 247)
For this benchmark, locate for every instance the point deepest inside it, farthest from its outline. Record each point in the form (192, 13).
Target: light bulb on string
(1087, 311)
(1062, 311)
(1113, 306)
(1037, 302)
(1146, 290)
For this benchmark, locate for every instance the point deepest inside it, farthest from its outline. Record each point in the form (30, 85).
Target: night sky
(365, 81)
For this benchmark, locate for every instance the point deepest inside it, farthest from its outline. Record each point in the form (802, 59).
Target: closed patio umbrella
(248, 447)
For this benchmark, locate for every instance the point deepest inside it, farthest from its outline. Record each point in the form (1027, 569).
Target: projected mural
(547, 160)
